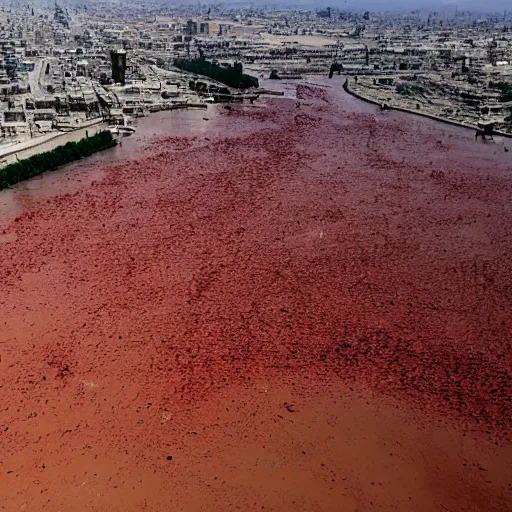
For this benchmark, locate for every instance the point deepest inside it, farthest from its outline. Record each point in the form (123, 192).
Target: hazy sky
(386, 5)
(498, 5)
(359, 5)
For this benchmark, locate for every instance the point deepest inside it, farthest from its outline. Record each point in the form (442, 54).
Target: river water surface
(269, 307)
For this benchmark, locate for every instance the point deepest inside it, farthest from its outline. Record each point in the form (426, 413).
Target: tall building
(39, 37)
(8, 59)
(61, 17)
(191, 28)
(118, 58)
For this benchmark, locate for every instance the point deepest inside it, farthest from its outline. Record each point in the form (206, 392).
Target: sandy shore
(272, 308)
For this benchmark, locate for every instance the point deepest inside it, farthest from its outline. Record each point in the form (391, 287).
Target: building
(118, 58)
(191, 28)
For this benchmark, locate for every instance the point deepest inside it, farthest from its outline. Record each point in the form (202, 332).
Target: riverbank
(50, 160)
(48, 142)
(369, 99)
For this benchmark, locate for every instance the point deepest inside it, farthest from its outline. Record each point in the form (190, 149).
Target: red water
(232, 251)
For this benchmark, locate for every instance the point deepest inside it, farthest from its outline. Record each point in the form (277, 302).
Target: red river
(271, 307)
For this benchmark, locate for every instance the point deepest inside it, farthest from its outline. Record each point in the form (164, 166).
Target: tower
(118, 58)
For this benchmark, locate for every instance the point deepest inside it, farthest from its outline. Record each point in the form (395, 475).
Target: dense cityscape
(69, 68)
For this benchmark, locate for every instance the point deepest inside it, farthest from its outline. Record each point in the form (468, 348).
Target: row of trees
(506, 91)
(410, 89)
(232, 76)
(51, 160)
